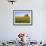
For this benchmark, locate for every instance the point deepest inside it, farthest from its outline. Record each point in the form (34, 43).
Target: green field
(22, 19)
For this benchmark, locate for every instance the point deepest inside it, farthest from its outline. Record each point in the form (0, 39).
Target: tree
(26, 14)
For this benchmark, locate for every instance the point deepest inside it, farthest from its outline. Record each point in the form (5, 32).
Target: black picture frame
(14, 15)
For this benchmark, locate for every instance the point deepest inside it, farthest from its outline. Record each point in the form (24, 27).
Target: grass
(22, 19)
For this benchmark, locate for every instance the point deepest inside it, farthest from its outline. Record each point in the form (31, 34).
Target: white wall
(38, 30)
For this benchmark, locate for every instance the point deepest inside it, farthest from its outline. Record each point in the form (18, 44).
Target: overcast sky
(21, 13)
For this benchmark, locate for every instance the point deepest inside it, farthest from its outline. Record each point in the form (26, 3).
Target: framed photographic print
(22, 17)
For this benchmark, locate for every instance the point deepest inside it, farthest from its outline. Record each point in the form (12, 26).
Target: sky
(21, 13)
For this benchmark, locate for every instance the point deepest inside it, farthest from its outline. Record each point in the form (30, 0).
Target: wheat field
(22, 19)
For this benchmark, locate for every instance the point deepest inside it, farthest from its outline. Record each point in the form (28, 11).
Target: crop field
(22, 19)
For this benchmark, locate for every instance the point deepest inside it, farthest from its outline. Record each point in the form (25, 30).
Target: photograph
(22, 16)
